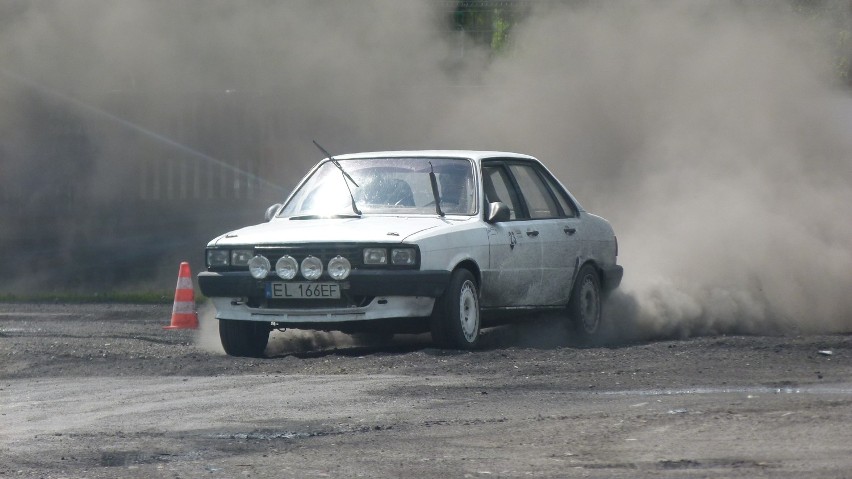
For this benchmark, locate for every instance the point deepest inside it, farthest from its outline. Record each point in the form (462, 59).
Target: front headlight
(241, 257)
(339, 268)
(403, 256)
(375, 256)
(259, 267)
(218, 258)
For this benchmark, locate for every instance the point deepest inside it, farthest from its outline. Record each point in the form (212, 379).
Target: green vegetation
(489, 22)
(142, 297)
(834, 13)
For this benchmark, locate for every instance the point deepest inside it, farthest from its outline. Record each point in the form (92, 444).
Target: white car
(409, 242)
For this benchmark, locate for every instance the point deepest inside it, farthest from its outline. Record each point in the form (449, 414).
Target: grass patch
(143, 297)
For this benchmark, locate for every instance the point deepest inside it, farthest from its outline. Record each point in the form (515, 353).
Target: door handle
(532, 233)
(569, 230)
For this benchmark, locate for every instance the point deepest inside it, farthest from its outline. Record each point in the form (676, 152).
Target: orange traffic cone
(183, 312)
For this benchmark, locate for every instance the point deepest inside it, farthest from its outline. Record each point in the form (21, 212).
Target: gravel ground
(103, 391)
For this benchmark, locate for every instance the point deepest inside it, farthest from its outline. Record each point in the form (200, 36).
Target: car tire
(243, 338)
(455, 321)
(586, 306)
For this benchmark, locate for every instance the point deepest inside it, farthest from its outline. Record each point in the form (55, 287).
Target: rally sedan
(413, 241)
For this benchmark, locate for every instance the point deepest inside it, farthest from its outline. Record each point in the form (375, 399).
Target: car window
(498, 187)
(568, 208)
(540, 201)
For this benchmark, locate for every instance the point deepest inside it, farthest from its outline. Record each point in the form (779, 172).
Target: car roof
(475, 155)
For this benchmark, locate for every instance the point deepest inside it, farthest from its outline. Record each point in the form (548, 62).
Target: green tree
(488, 22)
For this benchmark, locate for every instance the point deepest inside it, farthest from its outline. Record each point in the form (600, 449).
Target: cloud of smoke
(711, 133)
(150, 98)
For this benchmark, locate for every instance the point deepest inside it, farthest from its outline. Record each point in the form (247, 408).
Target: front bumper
(366, 295)
(359, 282)
(381, 307)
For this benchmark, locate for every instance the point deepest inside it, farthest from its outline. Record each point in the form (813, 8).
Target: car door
(513, 275)
(554, 221)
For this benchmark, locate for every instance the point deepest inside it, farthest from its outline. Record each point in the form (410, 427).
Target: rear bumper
(611, 277)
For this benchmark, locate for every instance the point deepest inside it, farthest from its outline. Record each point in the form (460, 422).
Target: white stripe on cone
(182, 307)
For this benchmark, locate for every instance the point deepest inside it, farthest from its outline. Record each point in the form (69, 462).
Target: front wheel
(584, 308)
(243, 338)
(455, 321)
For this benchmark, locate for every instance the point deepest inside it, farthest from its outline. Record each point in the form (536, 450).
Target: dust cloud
(281, 342)
(712, 134)
(206, 337)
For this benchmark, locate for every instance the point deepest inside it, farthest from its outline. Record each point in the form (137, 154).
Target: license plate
(303, 290)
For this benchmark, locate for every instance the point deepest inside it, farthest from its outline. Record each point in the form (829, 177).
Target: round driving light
(259, 267)
(311, 268)
(287, 267)
(339, 268)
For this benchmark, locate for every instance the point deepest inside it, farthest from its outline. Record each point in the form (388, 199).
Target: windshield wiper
(345, 177)
(434, 181)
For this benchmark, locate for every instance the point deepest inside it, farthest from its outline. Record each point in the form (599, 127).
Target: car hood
(365, 229)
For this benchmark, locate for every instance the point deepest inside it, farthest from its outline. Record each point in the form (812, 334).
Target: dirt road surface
(102, 391)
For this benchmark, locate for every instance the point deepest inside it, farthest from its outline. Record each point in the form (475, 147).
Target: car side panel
(598, 241)
(512, 277)
(562, 246)
(443, 248)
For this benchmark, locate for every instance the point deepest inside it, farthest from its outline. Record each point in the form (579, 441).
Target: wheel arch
(582, 264)
(471, 266)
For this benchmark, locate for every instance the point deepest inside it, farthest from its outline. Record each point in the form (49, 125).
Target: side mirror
(497, 212)
(270, 212)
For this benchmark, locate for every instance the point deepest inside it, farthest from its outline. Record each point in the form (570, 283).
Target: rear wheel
(243, 338)
(584, 308)
(455, 321)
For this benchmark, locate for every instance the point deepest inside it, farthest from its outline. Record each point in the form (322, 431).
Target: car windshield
(386, 186)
